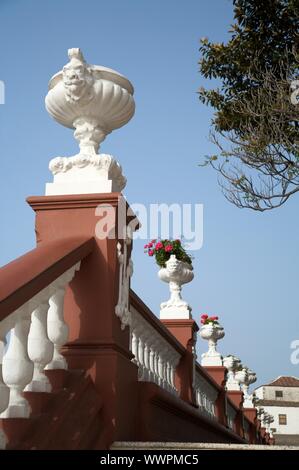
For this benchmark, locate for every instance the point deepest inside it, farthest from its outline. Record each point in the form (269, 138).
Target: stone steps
(174, 446)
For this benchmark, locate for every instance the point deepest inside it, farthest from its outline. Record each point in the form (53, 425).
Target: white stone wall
(268, 393)
(288, 393)
(259, 392)
(292, 426)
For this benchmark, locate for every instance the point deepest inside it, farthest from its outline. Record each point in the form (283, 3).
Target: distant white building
(280, 398)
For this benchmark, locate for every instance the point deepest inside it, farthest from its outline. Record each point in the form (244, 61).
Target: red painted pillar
(96, 341)
(185, 332)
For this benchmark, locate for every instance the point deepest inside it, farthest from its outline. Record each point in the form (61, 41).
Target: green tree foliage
(255, 124)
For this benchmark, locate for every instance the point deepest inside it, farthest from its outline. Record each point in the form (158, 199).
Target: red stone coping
(26, 276)
(74, 200)
(151, 318)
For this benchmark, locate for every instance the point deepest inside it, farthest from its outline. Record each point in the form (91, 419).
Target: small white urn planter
(232, 364)
(93, 100)
(212, 333)
(249, 379)
(176, 273)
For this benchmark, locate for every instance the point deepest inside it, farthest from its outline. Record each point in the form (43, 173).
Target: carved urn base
(85, 174)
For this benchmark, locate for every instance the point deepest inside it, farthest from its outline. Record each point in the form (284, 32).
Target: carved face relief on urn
(77, 79)
(93, 100)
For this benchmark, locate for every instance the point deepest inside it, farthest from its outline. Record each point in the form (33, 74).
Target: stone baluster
(151, 361)
(40, 348)
(57, 328)
(173, 364)
(17, 368)
(135, 346)
(4, 389)
(160, 366)
(140, 358)
(168, 374)
(146, 353)
(164, 368)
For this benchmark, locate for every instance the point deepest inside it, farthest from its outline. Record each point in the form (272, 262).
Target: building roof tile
(285, 381)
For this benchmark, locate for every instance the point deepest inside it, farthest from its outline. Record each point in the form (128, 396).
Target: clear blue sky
(247, 270)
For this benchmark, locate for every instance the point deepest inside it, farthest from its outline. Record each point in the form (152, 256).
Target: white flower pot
(212, 333)
(176, 273)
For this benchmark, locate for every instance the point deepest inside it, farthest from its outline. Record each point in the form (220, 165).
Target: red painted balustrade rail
(26, 276)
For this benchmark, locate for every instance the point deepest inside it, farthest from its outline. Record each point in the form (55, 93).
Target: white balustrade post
(135, 346)
(146, 360)
(160, 367)
(175, 357)
(17, 368)
(140, 357)
(40, 348)
(4, 390)
(58, 330)
(151, 362)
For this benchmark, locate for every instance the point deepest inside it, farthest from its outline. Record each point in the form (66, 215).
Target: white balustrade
(206, 395)
(35, 332)
(155, 357)
(231, 414)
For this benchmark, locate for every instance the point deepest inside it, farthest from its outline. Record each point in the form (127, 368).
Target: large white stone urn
(93, 100)
(211, 332)
(176, 273)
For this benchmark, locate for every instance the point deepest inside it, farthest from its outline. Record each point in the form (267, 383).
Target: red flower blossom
(168, 248)
(159, 246)
(204, 316)
(150, 253)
